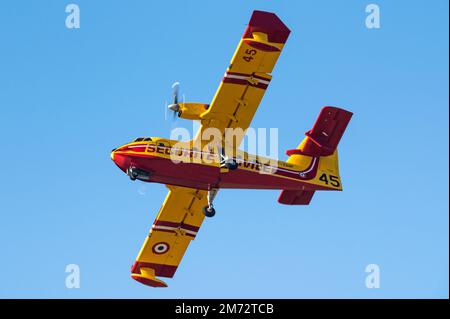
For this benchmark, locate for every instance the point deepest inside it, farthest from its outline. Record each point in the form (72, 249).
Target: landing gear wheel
(209, 211)
(231, 165)
(225, 161)
(132, 173)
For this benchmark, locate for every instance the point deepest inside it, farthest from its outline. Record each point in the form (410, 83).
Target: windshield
(143, 139)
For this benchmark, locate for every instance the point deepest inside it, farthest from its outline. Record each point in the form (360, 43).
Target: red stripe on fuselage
(202, 176)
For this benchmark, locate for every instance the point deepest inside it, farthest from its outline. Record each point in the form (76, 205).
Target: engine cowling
(191, 111)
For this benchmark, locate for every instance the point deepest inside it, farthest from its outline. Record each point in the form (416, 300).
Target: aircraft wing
(177, 223)
(247, 77)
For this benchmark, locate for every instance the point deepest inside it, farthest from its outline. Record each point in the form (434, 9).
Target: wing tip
(147, 277)
(335, 109)
(269, 23)
(152, 282)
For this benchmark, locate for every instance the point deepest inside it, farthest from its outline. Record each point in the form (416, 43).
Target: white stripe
(189, 231)
(242, 161)
(262, 81)
(164, 227)
(174, 228)
(244, 77)
(312, 166)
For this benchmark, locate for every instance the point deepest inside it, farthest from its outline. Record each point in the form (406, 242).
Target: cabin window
(143, 139)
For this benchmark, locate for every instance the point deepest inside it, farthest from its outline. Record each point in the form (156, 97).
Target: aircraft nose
(121, 160)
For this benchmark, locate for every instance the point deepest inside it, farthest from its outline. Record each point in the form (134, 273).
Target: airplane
(203, 165)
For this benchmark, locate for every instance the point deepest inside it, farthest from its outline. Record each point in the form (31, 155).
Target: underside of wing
(177, 223)
(246, 78)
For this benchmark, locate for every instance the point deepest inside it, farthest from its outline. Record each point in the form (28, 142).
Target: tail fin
(321, 141)
(324, 137)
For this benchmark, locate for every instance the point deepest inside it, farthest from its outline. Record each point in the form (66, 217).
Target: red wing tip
(335, 109)
(149, 282)
(269, 23)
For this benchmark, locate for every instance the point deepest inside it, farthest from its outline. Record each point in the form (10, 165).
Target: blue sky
(67, 97)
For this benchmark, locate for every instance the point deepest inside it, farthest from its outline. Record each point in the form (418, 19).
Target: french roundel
(160, 248)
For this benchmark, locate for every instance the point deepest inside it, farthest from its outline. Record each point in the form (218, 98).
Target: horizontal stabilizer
(294, 197)
(324, 137)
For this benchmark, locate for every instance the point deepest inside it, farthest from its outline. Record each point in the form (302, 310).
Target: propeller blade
(175, 87)
(174, 107)
(165, 110)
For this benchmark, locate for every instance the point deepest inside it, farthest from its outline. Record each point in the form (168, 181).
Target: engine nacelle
(191, 111)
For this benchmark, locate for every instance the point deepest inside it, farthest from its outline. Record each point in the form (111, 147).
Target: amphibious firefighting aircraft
(203, 166)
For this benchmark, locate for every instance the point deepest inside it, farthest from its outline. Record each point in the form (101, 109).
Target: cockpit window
(145, 139)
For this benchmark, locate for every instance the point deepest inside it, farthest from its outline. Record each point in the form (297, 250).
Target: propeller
(174, 107)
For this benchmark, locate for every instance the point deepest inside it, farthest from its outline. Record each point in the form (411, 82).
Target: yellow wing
(246, 78)
(177, 223)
